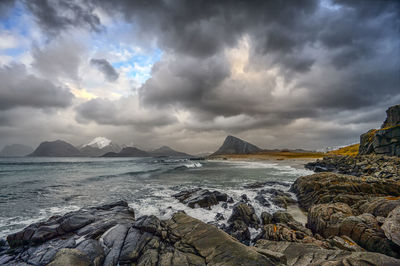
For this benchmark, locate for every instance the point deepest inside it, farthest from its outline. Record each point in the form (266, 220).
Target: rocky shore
(352, 220)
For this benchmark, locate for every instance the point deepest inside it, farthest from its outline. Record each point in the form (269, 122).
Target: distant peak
(99, 142)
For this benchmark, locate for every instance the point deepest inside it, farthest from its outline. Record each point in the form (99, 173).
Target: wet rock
(239, 230)
(263, 201)
(219, 217)
(278, 197)
(267, 183)
(244, 198)
(309, 254)
(391, 227)
(203, 198)
(266, 218)
(181, 240)
(94, 218)
(244, 212)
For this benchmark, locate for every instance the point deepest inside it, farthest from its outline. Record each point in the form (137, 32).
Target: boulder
(391, 227)
(246, 213)
(203, 198)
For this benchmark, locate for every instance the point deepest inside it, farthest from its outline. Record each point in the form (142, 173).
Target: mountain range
(104, 147)
(99, 146)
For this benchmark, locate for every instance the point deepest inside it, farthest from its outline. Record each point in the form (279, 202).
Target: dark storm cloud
(125, 111)
(19, 89)
(5, 6)
(106, 68)
(56, 15)
(306, 59)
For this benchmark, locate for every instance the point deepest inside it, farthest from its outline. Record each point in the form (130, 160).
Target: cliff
(386, 140)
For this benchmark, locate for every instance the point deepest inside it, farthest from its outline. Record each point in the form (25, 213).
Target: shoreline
(333, 202)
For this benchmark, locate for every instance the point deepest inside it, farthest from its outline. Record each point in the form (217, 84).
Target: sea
(33, 189)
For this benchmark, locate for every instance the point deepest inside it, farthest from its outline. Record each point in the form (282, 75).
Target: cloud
(57, 15)
(106, 68)
(20, 89)
(59, 58)
(307, 71)
(125, 111)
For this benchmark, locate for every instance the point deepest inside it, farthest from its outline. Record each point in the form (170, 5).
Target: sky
(280, 74)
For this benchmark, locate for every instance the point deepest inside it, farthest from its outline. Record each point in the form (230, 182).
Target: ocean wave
(189, 165)
(130, 173)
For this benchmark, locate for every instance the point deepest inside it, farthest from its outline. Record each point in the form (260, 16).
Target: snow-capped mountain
(99, 146)
(99, 142)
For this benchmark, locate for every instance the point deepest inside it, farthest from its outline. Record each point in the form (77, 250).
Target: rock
(200, 198)
(386, 140)
(345, 243)
(70, 257)
(219, 217)
(263, 201)
(239, 230)
(380, 206)
(309, 254)
(337, 219)
(278, 197)
(244, 198)
(331, 187)
(325, 218)
(362, 165)
(181, 240)
(266, 218)
(391, 227)
(244, 212)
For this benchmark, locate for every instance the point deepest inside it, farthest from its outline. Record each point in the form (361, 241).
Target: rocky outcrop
(330, 188)
(233, 145)
(109, 235)
(309, 254)
(361, 165)
(353, 207)
(200, 198)
(15, 150)
(386, 140)
(337, 219)
(56, 148)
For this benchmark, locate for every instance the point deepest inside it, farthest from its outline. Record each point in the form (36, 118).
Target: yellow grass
(351, 150)
(279, 155)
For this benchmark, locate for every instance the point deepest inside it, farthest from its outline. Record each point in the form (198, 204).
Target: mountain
(233, 145)
(128, 152)
(15, 150)
(167, 151)
(99, 146)
(56, 148)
